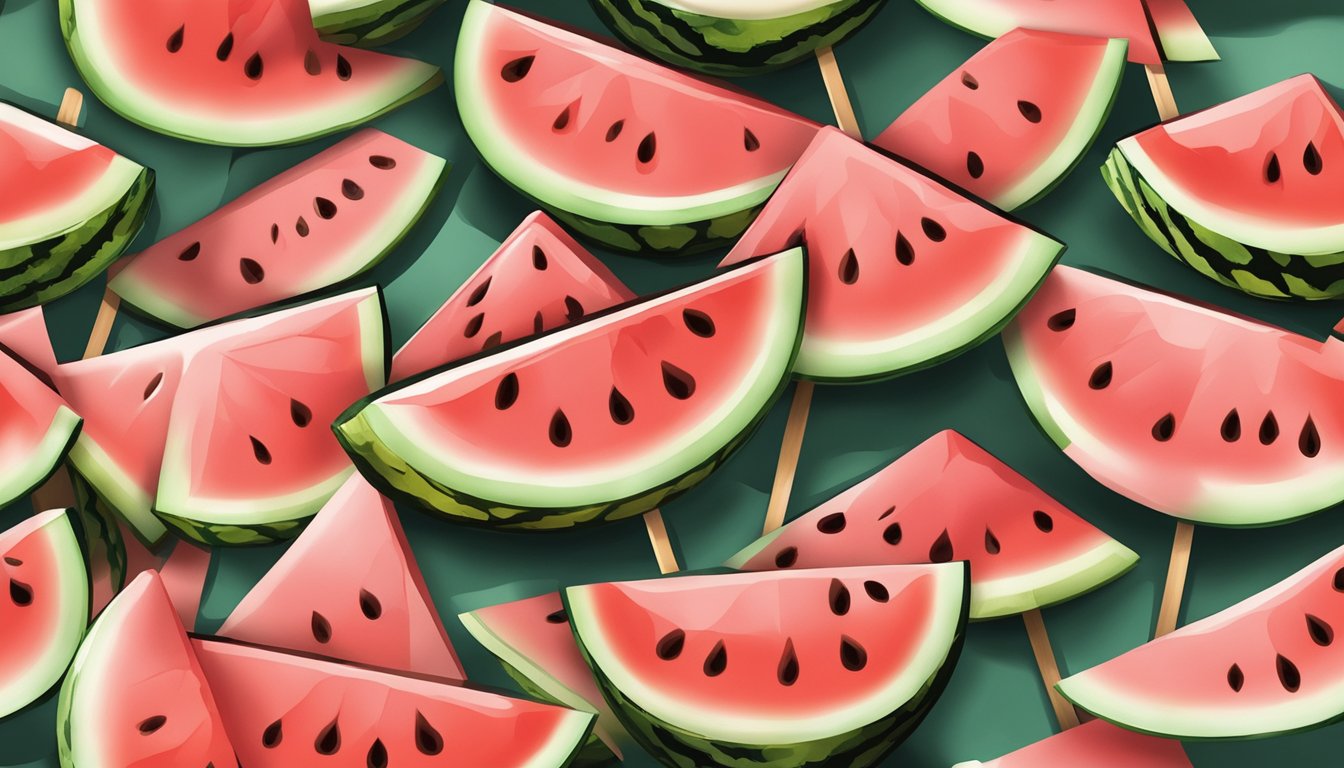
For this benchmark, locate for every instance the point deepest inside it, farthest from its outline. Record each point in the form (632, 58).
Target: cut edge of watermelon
(125, 497)
(61, 436)
(1179, 33)
(1055, 584)
(117, 182)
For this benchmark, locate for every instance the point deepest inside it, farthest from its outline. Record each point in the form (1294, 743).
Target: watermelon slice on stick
(37, 428)
(1096, 744)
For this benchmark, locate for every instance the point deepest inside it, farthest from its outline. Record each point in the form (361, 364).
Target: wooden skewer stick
(662, 545)
(839, 96)
(1045, 662)
(102, 324)
(1161, 88)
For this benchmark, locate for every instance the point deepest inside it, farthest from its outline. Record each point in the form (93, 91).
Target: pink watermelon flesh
(902, 271)
(1196, 413)
(287, 710)
(1261, 667)
(316, 224)
(36, 430)
(1016, 118)
(349, 588)
(41, 174)
(1097, 744)
(537, 280)
(949, 499)
(23, 336)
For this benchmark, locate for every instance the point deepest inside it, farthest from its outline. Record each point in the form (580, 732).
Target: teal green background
(995, 702)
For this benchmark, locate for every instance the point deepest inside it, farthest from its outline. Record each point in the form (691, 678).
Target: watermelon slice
(1199, 414)
(323, 221)
(68, 207)
(950, 499)
(670, 386)
(1245, 192)
(587, 130)
(136, 695)
(785, 668)
(220, 431)
(884, 241)
(1259, 668)
(1156, 29)
(1097, 744)
(538, 280)
(349, 588)
(369, 22)
(732, 37)
(37, 429)
(1016, 118)
(24, 337)
(45, 609)
(287, 710)
(236, 72)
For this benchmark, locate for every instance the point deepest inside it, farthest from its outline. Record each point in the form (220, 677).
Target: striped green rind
(661, 239)
(733, 46)
(224, 535)
(368, 24)
(104, 547)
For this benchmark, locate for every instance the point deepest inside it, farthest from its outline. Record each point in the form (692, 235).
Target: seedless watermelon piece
(136, 694)
(949, 499)
(630, 153)
(323, 221)
(782, 668)
(1196, 413)
(45, 608)
(369, 22)
(537, 280)
(236, 72)
(349, 588)
(1243, 191)
(903, 272)
(288, 710)
(23, 335)
(37, 429)
(1015, 119)
(1262, 667)
(604, 419)
(1097, 744)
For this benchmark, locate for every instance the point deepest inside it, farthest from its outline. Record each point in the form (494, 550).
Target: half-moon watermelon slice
(349, 588)
(949, 499)
(786, 668)
(1196, 413)
(44, 609)
(68, 207)
(1016, 118)
(603, 419)
(537, 280)
(1097, 744)
(369, 23)
(903, 272)
(630, 153)
(323, 221)
(1262, 667)
(1246, 191)
(37, 429)
(24, 337)
(235, 72)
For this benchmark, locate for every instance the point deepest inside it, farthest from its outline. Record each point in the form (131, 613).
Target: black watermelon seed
(275, 233)
(798, 239)
(1231, 428)
(153, 385)
(324, 207)
(888, 512)
(561, 433)
(1311, 160)
(1339, 580)
(175, 39)
(1101, 376)
(969, 81)
(876, 591)
(506, 393)
(151, 724)
(905, 253)
(300, 414)
(941, 551)
(428, 740)
(852, 654)
(1235, 678)
(933, 230)
(251, 271)
(382, 162)
(717, 660)
(1272, 171)
(839, 598)
(749, 140)
(1289, 676)
(273, 735)
(787, 556)
(573, 309)
(975, 166)
(1320, 630)
(615, 130)
(538, 323)
(677, 382)
(788, 664)
(328, 741)
(493, 340)
(562, 120)
(343, 70)
(671, 645)
(849, 268)
(478, 295)
(622, 412)
(1044, 522)
(832, 523)
(260, 452)
(1164, 428)
(370, 605)
(301, 227)
(538, 258)
(311, 63)
(557, 617)
(20, 594)
(1309, 441)
(225, 48)
(1030, 111)
(1062, 321)
(377, 757)
(648, 146)
(892, 535)
(14, 561)
(473, 325)
(190, 252)
(1269, 429)
(698, 322)
(253, 67)
(321, 628)
(517, 69)
(992, 545)
(351, 190)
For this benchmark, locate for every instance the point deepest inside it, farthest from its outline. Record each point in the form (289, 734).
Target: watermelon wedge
(349, 588)
(45, 609)
(235, 72)
(627, 152)
(1259, 668)
(731, 37)
(1096, 744)
(949, 499)
(287, 710)
(786, 668)
(24, 337)
(903, 272)
(670, 386)
(1245, 192)
(1016, 118)
(368, 23)
(37, 429)
(538, 280)
(68, 207)
(323, 221)
(1151, 396)
(1156, 29)
(136, 695)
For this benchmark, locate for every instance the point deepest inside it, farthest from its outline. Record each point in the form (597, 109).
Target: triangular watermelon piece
(23, 336)
(1097, 744)
(237, 72)
(538, 279)
(949, 499)
(349, 588)
(37, 428)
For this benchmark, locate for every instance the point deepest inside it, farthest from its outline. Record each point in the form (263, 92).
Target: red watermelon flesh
(23, 335)
(36, 430)
(44, 170)
(537, 280)
(350, 589)
(1262, 667)
(902, 271)
(1097, 744)
(287, 710)
(1194, 412)
(322, 221)
(1016, 118)
(949, 499)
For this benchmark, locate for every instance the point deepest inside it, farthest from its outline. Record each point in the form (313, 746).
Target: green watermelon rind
(117, 491)
(42, 462)
(368, 24)
(1189, 234)
(142, 107)
(863, 746)
(104, 546)
(731, 47)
